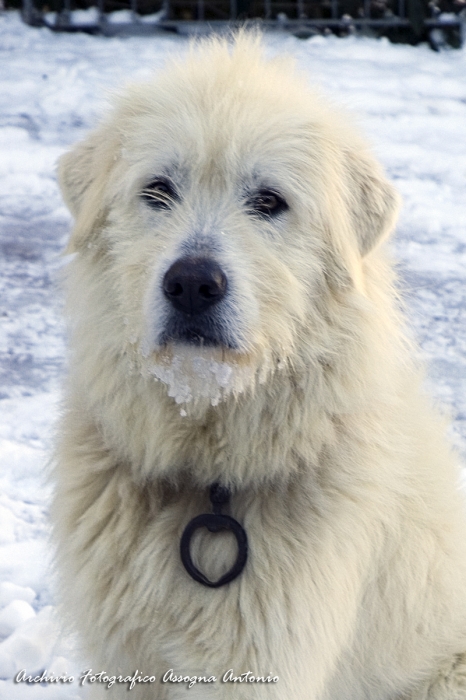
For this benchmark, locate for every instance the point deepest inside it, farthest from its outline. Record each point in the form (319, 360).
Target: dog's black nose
(192, 285)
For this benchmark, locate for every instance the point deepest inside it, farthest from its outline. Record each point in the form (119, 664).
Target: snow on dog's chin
(205, 375)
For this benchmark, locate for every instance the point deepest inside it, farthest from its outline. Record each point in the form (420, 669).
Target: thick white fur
(356, 581)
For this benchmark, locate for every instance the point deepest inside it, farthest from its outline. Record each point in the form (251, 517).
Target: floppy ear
(373, 201)
(83, 175)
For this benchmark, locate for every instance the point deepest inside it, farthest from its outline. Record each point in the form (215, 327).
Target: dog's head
(219, 205)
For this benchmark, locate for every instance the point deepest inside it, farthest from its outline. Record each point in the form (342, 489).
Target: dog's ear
(373, 201)
(83, 175)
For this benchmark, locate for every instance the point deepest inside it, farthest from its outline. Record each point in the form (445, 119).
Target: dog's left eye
(159, 194)
(267, 203)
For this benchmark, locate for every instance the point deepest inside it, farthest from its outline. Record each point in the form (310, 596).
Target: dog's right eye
(267, 203)
(159, 194)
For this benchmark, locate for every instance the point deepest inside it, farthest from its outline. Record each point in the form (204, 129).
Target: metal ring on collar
(214, 522)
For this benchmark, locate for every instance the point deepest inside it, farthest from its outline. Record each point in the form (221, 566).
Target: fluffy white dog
(234, 331)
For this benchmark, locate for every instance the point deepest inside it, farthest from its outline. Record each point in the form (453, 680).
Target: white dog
(234, 331)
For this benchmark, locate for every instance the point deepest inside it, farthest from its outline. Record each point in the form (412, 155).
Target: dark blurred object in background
(439, 22)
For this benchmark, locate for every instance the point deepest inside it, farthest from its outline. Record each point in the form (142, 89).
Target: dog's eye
(267, 203)
(159, 194)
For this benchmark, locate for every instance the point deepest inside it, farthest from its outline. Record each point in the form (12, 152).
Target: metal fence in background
(401, 20)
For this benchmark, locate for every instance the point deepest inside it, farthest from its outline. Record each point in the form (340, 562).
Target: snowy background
(412, 103)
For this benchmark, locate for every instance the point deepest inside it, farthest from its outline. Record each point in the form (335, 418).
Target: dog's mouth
(207, 332)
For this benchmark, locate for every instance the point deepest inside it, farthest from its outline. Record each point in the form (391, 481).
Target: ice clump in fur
(190, 376)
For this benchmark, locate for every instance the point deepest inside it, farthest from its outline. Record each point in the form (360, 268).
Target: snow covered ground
(411, 102)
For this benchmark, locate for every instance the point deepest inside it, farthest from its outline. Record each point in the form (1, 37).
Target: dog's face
(226, 200)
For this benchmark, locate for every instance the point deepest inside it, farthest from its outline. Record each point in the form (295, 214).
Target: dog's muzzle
(194, 288)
